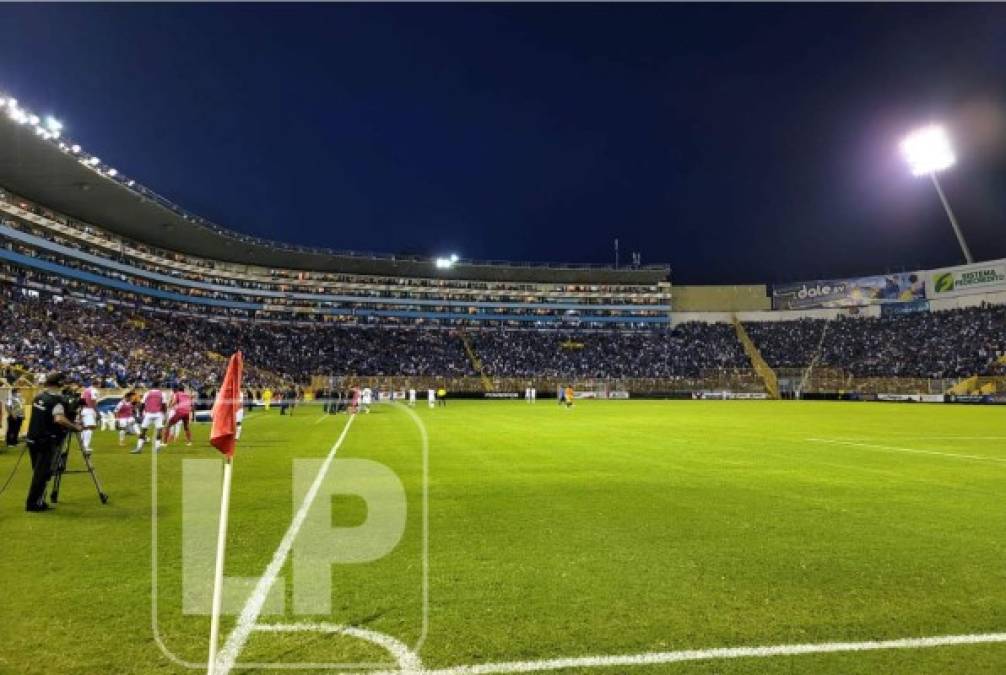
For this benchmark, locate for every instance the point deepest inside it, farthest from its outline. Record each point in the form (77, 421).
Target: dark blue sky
(737, 143)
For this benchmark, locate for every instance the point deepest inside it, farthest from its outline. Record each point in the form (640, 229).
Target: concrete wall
(720, 298)
(963, 301)
(773, 315)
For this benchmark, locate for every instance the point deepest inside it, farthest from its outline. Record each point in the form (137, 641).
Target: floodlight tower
(927, 151)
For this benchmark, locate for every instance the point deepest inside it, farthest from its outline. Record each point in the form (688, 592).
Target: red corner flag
(222, 437)
(225, 408)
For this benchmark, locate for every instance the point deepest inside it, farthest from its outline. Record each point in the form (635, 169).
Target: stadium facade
(73, 228)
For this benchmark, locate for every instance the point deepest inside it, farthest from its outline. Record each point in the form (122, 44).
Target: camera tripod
(60, 464)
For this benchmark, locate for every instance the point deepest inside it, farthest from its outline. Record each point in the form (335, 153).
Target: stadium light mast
(927, 151)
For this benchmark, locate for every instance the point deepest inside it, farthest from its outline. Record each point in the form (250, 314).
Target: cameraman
(46, 430)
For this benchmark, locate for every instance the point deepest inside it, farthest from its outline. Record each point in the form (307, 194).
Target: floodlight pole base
(953, 220)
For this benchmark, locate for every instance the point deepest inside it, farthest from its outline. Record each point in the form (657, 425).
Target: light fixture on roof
(446, 263)
(34, 119)
(75, 148)
(928, 151)
(94, 161)
(53, 124)
(16, 114)
(113, 173)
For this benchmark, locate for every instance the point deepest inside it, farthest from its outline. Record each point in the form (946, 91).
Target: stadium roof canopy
(49, 172)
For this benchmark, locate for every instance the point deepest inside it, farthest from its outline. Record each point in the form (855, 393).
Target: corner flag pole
(218, 575)
(223, 437)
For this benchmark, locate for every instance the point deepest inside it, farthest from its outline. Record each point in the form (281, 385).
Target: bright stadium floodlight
(927, 151)
(75, 149)
(53, 124)
(446, 263)
(113, 173)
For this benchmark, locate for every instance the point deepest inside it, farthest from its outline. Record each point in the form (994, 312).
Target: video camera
(72, 403)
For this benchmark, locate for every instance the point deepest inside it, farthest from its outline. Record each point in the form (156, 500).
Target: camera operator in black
(46, 430)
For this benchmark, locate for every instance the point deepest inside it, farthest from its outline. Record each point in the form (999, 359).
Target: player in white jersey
(527, 394)
(431, 397)
(366, 398)
(412, 398)
(88, 415)
(534, 394)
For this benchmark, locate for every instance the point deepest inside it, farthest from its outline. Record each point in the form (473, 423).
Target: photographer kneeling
(46, 430)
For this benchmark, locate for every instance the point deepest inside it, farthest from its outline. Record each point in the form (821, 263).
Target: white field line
(253, 607)
(322, 418)
(656, 658)
(943, 438)
(407, 660)
(891, 448)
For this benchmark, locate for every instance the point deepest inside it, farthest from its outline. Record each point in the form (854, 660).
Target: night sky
(752, 143)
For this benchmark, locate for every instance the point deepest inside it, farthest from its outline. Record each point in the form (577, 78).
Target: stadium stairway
(765, 372)
(487, 383)
(817, 357)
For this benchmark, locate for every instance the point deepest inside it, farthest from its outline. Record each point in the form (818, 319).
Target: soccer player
(412, 398)
(181, 406)
(88, 415)
(153, 416)
(534, 394)
(125, 416)
(442, 397)
(431, 397)
(569, 396)
(367, 399)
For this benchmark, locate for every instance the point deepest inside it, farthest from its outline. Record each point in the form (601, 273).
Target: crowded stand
(687, 350)
(124, 344)
(33, 236)
(945, 344)
(787, 344)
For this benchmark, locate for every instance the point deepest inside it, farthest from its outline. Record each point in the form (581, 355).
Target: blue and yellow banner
(856, 292)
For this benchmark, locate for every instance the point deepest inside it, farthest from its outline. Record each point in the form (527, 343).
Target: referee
(46, 431)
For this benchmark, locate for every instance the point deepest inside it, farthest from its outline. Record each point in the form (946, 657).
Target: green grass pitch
(614, 528)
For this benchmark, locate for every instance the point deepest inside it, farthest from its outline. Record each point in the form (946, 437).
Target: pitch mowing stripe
(253, 607)
(890, 448)
(658, 658)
